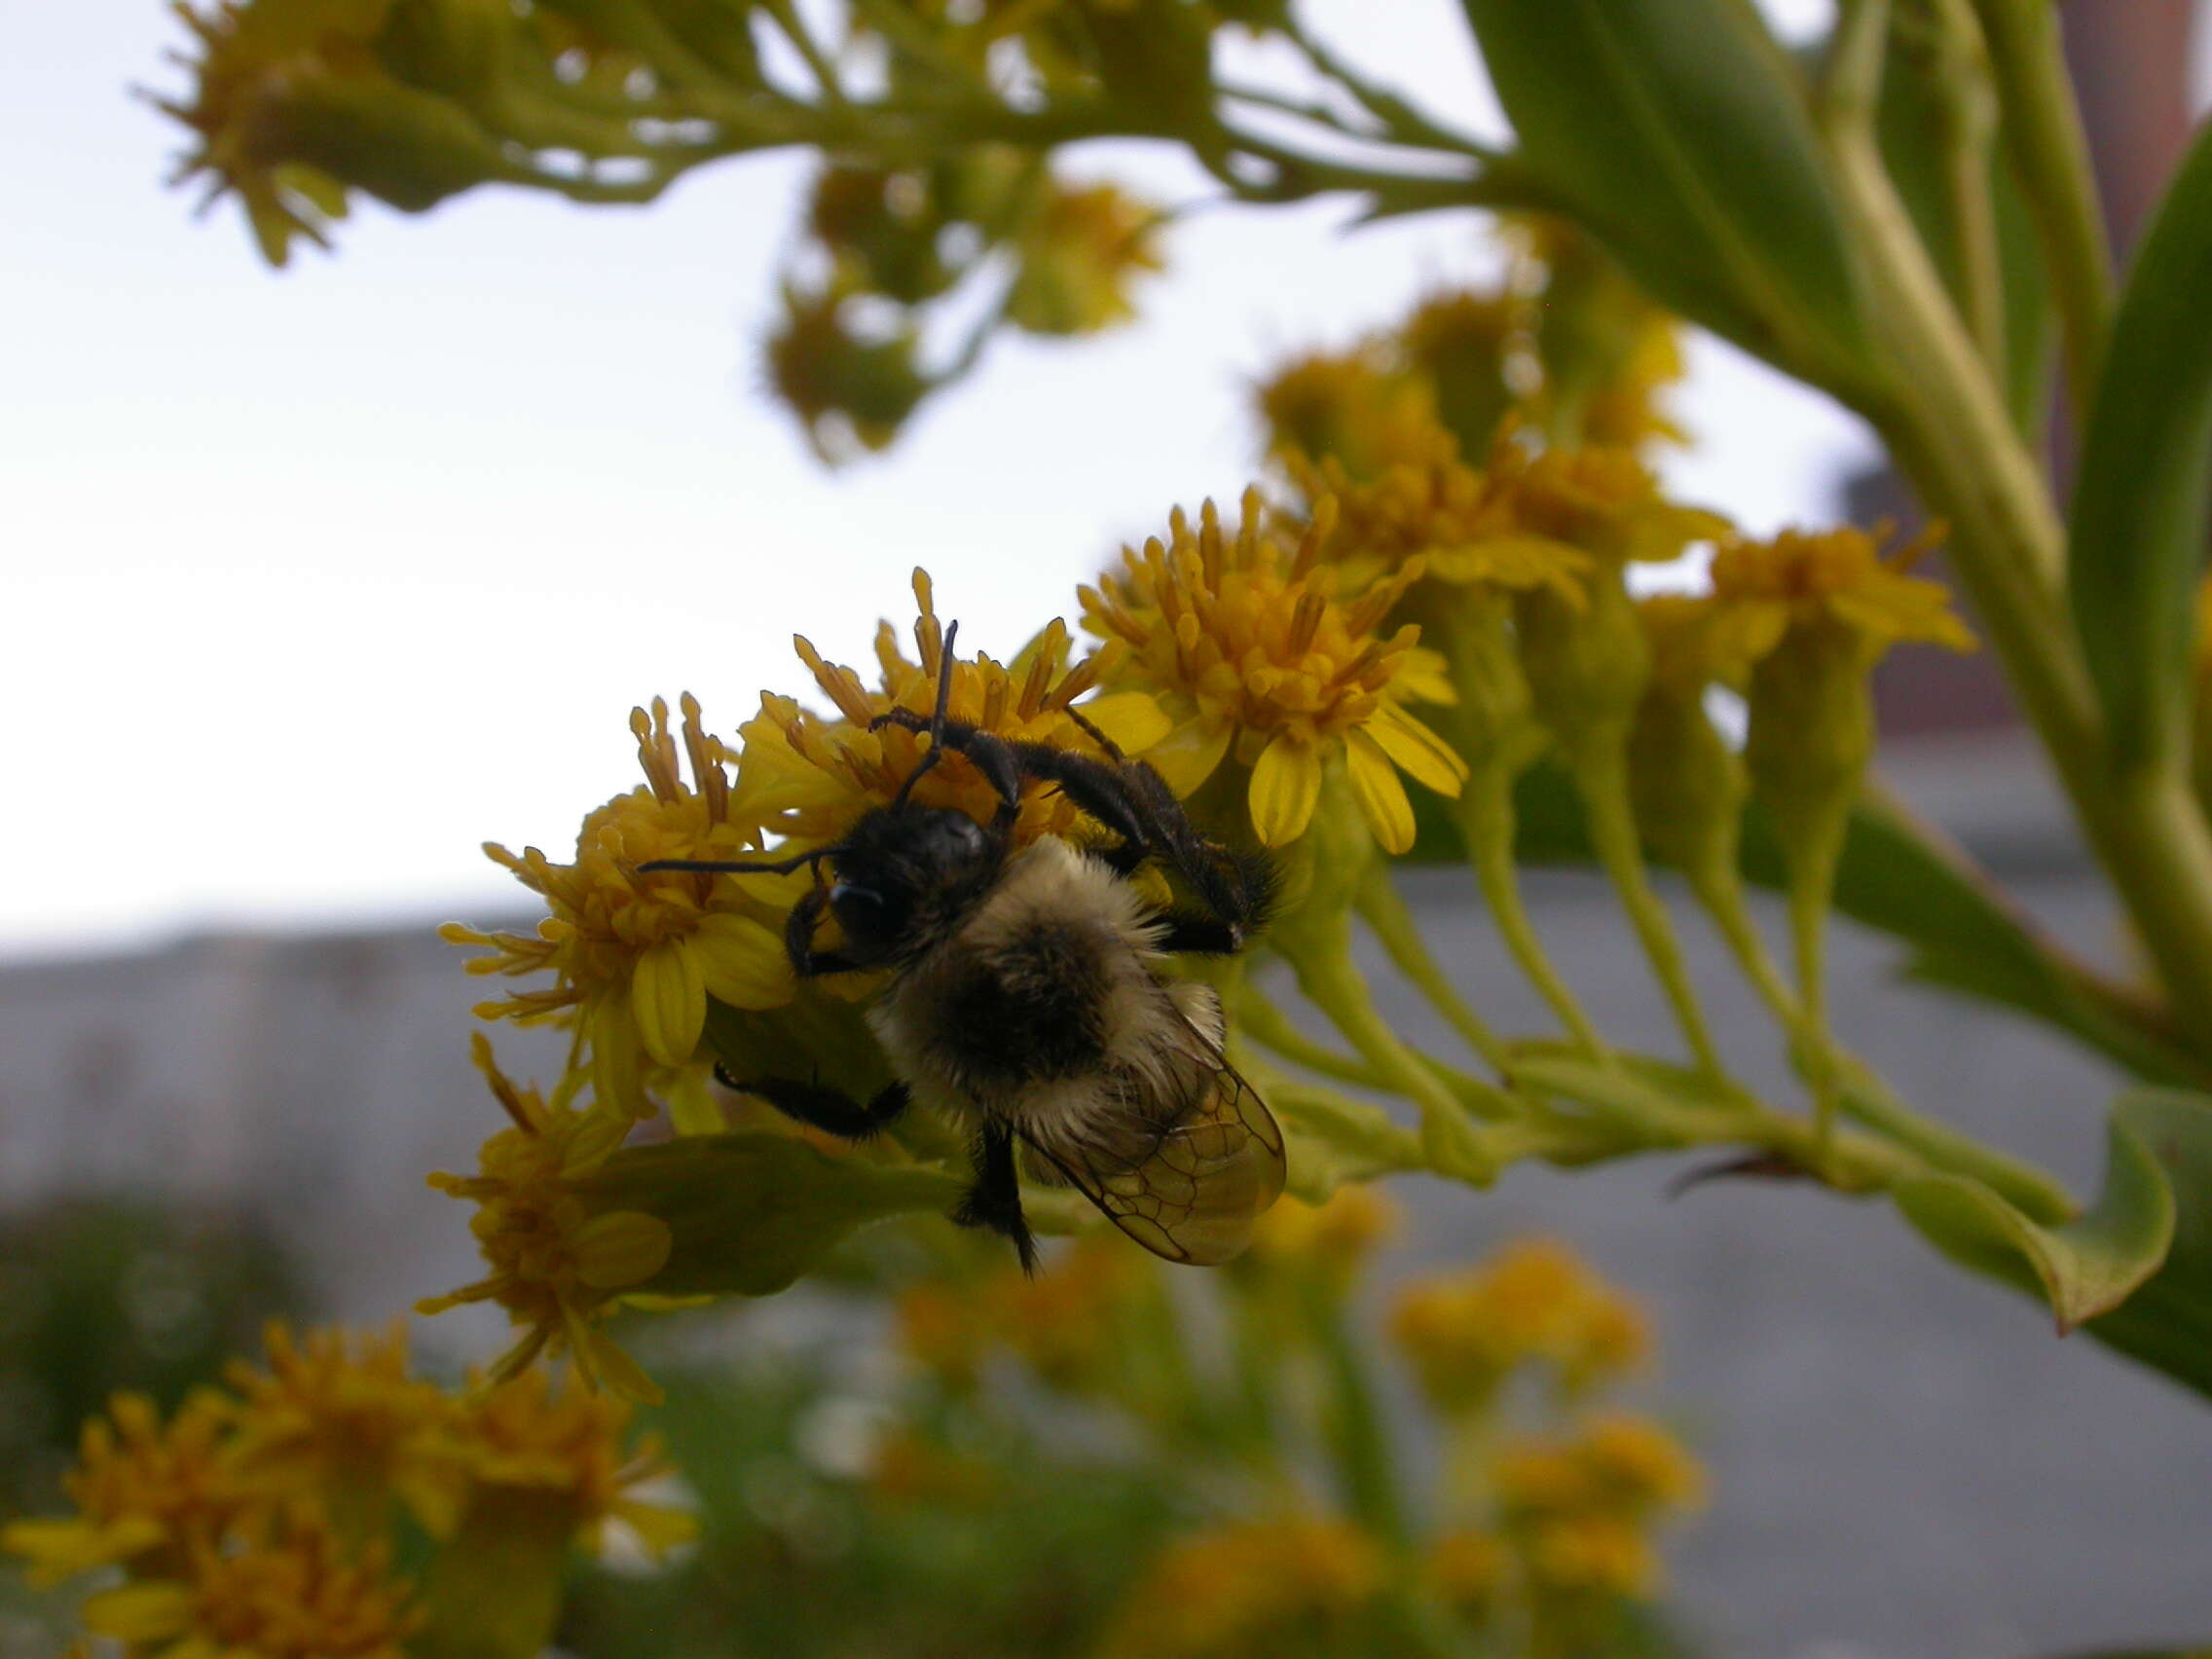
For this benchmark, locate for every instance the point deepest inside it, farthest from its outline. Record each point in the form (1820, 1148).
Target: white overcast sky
(316, 579)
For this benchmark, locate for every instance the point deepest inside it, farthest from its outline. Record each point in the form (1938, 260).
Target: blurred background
(319, 579)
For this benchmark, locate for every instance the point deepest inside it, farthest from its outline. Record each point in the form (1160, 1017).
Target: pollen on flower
(288, 1593)
(557, 1263)
(635, 957)
(562, 1447)
(1256, 654)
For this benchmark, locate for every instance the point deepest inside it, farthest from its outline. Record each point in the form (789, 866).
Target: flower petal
(621, 1247)
(740, 962)
(1426, 758)
(1285, 785)
(1381, 797)
(1187, 757)
(615, 1059)
(622, 1374)
(668, 999)
(140, 1612)
(1131, 718)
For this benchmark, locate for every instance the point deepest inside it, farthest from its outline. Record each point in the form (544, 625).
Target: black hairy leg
(830, 1110)
(995, 1200)
(991, 754)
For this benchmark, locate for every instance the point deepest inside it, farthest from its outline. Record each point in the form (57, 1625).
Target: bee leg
(829, 1110)
(991, 754)
(1199, 936)
(995, 1200)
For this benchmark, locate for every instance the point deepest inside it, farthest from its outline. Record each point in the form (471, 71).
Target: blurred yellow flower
(1463, 1333)
(559, 1449)
(335, 1417)
(636, 957)
(141, 1486)
(1469, 1571)
(1352, 407)
(1593, 1555)
(1454, 519)
(1248, 1588)
(1070, 1322)
(1330, 1242)
(1835, 577)
(1251, 650)
(558, 1263)
(1601, 500)
(288, 1593)
(1080, 252)
(1639, 1466)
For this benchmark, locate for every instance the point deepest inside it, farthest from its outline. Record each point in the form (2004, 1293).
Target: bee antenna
(937, 716)
(720, 867)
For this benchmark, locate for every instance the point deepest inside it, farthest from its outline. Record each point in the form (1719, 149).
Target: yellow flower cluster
(1259, 661)
(254, 1522)
(1067, 1325)
(1579, 1508)
(1251, 1588)
(1535, 1302)
(558, 1263)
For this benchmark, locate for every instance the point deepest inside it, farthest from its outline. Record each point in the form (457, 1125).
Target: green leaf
(1678, 132)
(750, 1213)
(2167, 1324)
(2139, 520)
(1900, 878)
(2087, 1267)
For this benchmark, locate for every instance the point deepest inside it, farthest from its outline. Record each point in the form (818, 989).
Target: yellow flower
(910, 1472)
(1623, 411)
(1468, 1571)
(1639, 1466)
(1458, 522)
(848, 392)
(287, 1594)
(1248, 1588)
(255, 62)
(636, 957)
(1463, 1333)
(1079, 251)
(1255, 653)
(564, 1449)
(1691, 646)
(1838, 578)
(1070, 1322)
(1352, 407)
(1331, 1241)
(143, 1490)
(335, 1417)
(1600, 500)
(1593, 1555)
(558, 1263)
(813, 779)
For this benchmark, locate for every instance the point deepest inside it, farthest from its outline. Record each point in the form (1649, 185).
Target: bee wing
(1190, 1191)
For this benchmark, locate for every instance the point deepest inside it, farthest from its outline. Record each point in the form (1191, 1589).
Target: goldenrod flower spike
(636, 957)
(1256, 656)
(814, 778)
(559, 1263)
(290, 1592)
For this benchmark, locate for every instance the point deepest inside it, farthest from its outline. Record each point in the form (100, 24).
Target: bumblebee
(1027, 998)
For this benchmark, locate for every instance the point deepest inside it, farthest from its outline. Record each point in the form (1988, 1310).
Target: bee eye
(863, 911)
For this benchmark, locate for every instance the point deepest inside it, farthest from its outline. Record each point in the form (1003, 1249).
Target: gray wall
(1906, 1462)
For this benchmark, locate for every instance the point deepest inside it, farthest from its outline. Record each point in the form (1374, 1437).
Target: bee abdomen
(1034, 1006)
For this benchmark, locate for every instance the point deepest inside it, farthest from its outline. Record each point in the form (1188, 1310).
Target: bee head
(904, 873)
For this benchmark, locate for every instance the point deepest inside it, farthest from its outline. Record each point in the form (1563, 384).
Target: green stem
(1487, 821)
(1600, 777)
(1947, 424)
(1331, 983)
(1383, 908)
(1812, 884)
(1967, 109)
(1352, 1423)
(2050, 155)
